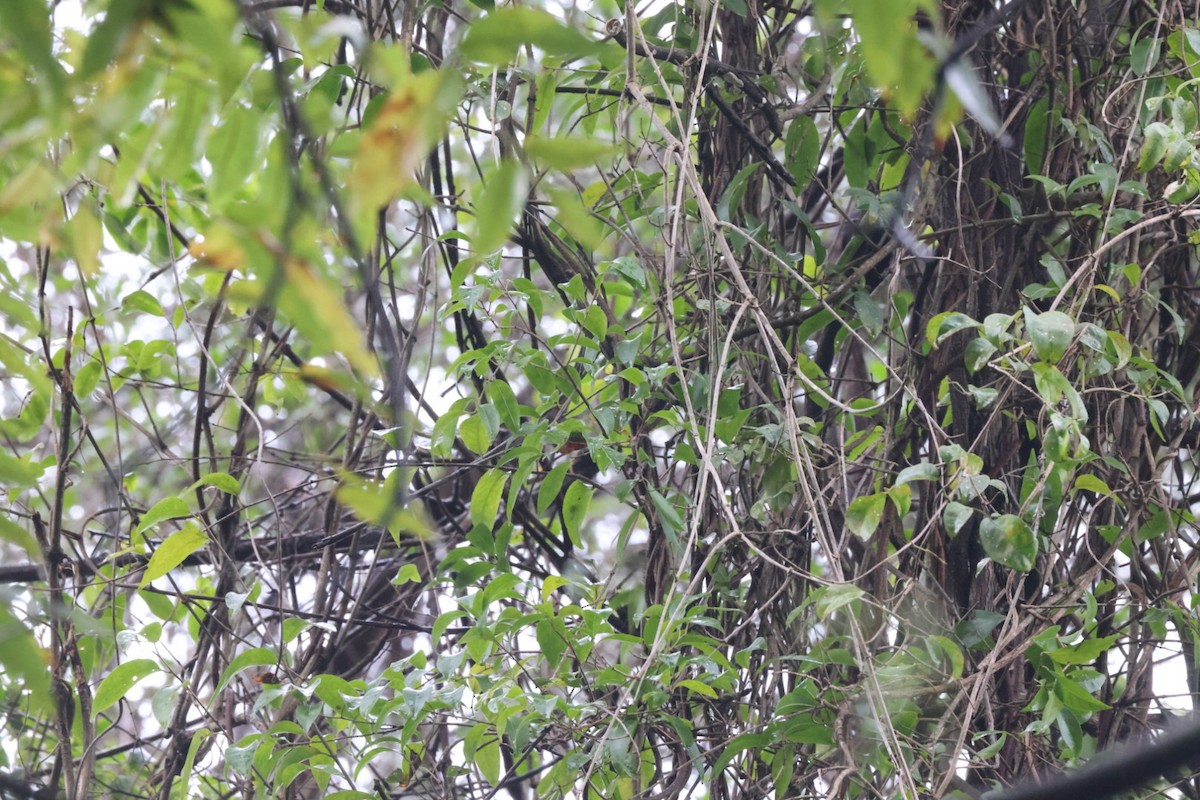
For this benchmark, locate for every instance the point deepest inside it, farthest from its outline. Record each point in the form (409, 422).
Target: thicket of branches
(737, 399)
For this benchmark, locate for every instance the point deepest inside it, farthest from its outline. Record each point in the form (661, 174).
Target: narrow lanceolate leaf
(118, 682)
(173, 551)
(255, 657)
(502, 199)
(167, 508)
(575, 507)
(485, 500)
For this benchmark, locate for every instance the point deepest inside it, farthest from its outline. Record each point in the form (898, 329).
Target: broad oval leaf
(1050, 333)
(1009, 541)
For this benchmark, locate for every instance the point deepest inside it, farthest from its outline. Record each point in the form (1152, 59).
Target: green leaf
(173, 551)
(317, 310)
(1090, 483)
(566, 153)
(474, 434)
(255, 657)
(830, 598)
(188, 119)
(233, 151)
(552, 640)
(28, 28)
(485, 500)
(924, 471)
(501, 396)
(955, 517)
(502, 199)
(1050, 333)
(1154, 146)
(186, 774)
(167, 508)
(378, 504)
(18, 472)
(16, 534)
(803, 149)
(897, 61)
(24, 661)
(496, 38)
(703, 689)
(1034, 138)
(117, 683)
(575, 507)
(1009, 541)
(1077, 698)
(1085, 652)
(551, 485)
(864, 514)
(222, 480)
(946, 323)
(144, 302)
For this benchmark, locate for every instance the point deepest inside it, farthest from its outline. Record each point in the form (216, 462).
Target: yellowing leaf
(220, 250)
(319, 313)
(398, 138)
(85, 237)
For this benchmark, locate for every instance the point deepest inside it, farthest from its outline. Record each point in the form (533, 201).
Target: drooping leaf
(485, 500)
(502, 199)
(576, 501)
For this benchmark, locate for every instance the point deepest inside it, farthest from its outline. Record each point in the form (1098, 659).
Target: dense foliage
(728, 399)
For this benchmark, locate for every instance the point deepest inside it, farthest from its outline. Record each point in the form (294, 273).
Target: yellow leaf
(394, 144)
(320, 314)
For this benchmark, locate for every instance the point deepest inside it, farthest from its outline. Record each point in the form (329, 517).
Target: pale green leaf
(173, 551)
(502, 199)
(167, 508)
(575, 507)
(485, 500)
(117, 683)
(255, 657)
